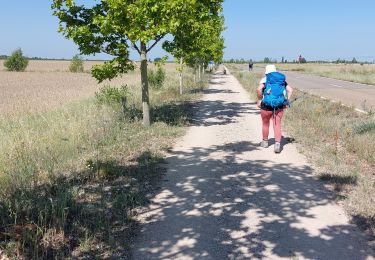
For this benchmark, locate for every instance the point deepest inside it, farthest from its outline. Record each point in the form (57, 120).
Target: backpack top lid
(275, 78)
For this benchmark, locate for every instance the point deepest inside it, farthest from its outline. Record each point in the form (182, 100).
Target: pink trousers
(276, 123)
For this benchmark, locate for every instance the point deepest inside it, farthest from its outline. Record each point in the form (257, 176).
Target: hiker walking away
(273, 94)
(251, 64)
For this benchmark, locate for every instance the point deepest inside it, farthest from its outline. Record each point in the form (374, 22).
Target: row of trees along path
(115, 26)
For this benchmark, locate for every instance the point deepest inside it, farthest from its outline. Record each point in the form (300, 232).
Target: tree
(267, 60)
(16, 61)
(197, 39)
(76, 65)
(115, 26)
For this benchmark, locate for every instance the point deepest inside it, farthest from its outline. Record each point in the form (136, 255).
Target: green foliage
(237, 61)
(112, 95)
(76, 65)
(198, 37)
(113, 26)
(267, 60)
(111, 69)
(156, 78)
(365, 127)
(16, 61)
(118, 98)
(159, 62)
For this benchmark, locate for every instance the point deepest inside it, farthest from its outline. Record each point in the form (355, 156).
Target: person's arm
(259, 93)
(289, 90)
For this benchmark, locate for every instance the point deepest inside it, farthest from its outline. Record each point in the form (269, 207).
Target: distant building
(301, 59)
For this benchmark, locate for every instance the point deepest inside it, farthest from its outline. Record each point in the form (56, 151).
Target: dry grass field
(49, 84)
(52, 65)
(350, 72)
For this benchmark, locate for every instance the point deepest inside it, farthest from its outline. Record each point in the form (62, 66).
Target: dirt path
(226, 198)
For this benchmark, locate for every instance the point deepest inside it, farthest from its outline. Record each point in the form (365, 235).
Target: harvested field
(63, 65)
(49, 84)
(52, 65)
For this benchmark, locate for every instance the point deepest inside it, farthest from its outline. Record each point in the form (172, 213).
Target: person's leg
(277, 125)
(266, 117)
(276, 122)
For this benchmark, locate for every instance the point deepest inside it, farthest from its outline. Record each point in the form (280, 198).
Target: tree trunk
(199, 73)
(195, 75)
(144, 80)
(181, 76)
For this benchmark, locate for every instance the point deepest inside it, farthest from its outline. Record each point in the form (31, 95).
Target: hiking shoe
(264, 144)
(277, 148)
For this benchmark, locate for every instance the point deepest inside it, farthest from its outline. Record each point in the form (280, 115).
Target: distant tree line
(300, 59)
(4, 57)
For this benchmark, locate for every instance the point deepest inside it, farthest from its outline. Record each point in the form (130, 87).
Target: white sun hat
(270, 69)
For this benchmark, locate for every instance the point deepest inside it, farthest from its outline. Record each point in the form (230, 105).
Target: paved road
(224, 197)
(360, 96)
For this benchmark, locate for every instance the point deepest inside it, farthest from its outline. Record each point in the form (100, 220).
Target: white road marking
(338, 86)
(361, 111)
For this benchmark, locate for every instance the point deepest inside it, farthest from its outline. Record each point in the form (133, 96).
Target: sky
(318, 29)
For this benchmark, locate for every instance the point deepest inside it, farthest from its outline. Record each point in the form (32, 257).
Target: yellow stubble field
(48, 84)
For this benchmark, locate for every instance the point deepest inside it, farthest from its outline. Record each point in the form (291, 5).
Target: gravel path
(224, 197)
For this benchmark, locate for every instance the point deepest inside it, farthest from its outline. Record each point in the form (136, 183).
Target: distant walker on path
(273, 94)
(251, 65)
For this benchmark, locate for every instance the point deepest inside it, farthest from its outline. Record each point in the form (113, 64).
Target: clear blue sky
(255, 29)
(318, 29)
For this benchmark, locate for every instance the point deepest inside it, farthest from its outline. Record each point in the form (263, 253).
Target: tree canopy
(115, 26)
(198, 37)
(16, 61)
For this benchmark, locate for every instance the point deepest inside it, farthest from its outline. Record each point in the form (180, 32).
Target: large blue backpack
(274, 94)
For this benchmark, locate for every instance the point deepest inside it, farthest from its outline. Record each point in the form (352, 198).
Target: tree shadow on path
(230, 208)
(213, 111)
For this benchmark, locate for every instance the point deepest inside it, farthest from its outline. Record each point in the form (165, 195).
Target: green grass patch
(365, 127)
